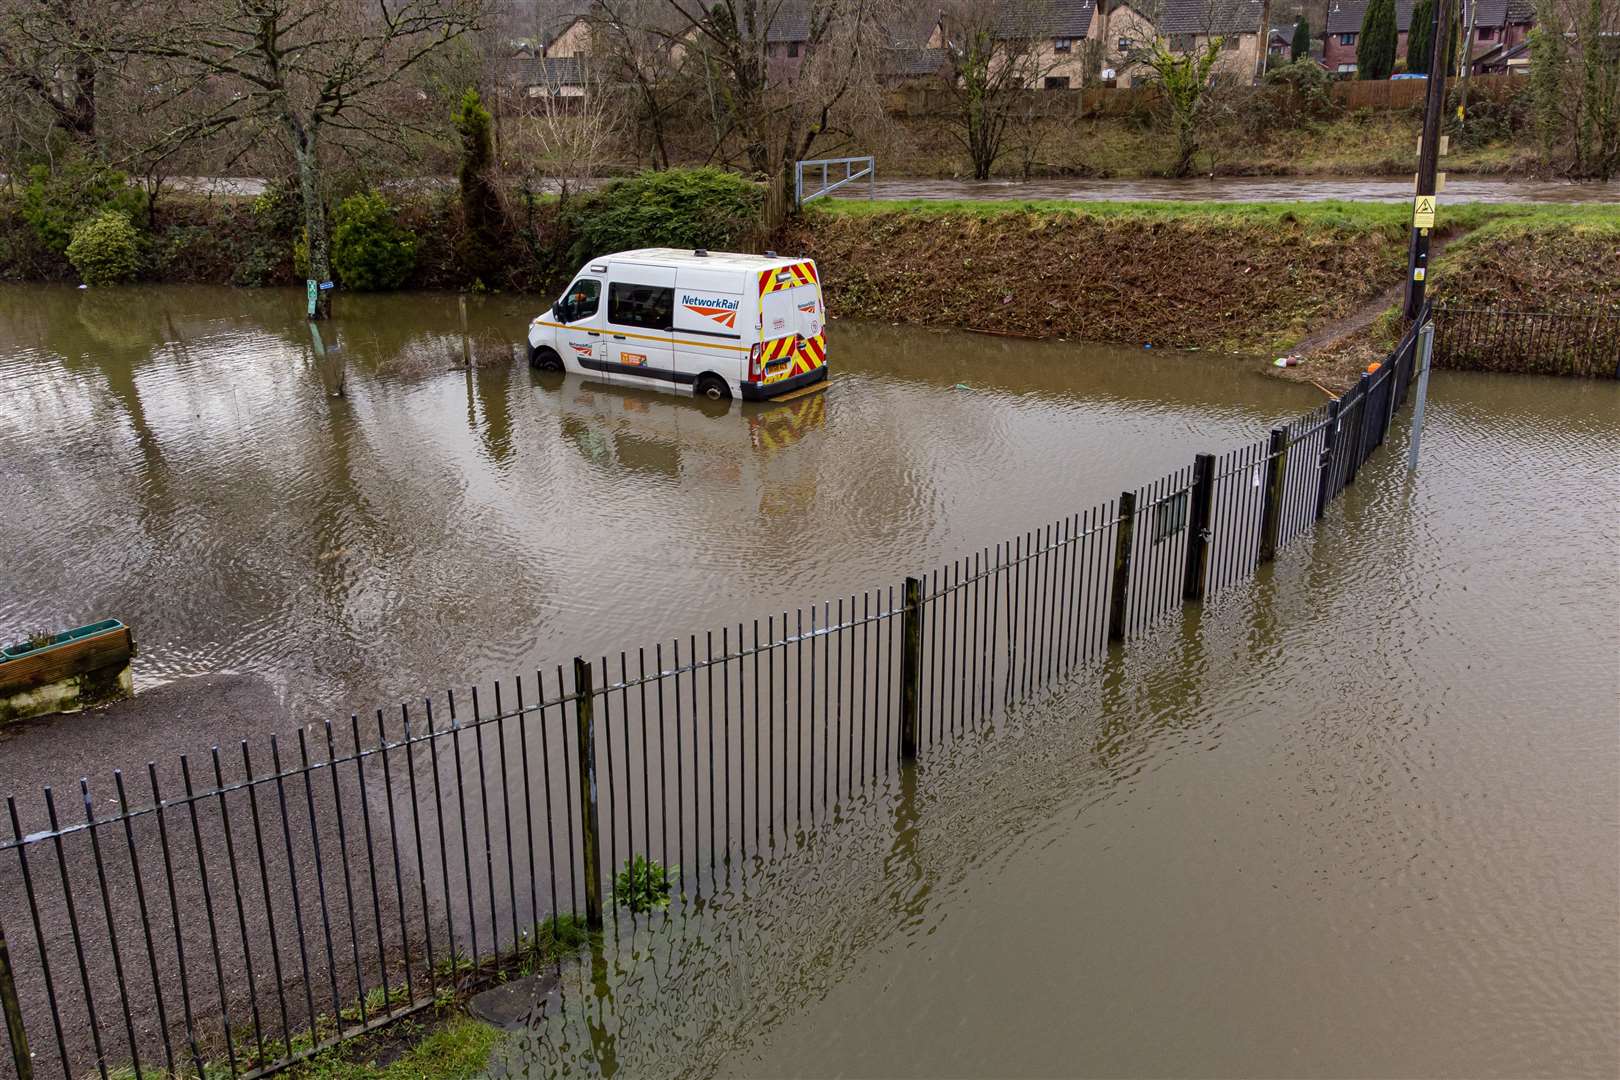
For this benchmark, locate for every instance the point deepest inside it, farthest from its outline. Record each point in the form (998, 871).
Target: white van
(720, 324)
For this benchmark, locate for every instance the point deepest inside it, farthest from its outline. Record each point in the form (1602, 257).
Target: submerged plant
(643, 884)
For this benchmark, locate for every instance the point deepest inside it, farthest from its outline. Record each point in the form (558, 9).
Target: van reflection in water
(659, 436)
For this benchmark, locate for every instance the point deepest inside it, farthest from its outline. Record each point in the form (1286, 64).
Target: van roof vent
(701, 253)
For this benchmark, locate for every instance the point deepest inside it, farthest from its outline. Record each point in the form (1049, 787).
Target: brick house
(1186, 26)
(1497, 24)
(1057, 31)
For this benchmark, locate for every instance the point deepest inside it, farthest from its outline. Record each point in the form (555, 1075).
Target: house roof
(1210, 17)
(1044, 18)
(1344, 16)
(789, 22)
(541, 71)
(908, 62)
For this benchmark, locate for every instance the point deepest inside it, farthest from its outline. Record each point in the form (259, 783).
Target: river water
(1359, 818)
(1242, 189)
(1214, 189)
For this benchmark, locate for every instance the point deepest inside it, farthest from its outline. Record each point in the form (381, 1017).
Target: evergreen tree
(482, 215)
(1420, 41)
(1301, 47)
(1375, 47)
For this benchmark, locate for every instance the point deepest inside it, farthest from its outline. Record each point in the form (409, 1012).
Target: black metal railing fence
(1582, 343)
(237, 914)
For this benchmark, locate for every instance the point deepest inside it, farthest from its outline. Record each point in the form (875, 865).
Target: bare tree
(633, 48)
(1575, 86)
(46, 59)
(1183, 63)
(994, 55)
(303, 72)
(569, 130)
(780, 105)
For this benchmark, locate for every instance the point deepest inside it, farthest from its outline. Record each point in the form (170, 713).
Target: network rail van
(718, 324)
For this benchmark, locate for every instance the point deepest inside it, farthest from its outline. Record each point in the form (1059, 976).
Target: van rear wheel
(712, 387)
(545, 359)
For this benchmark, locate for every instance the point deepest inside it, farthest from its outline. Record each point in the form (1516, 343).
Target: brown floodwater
(174, 459)
(1362, 817)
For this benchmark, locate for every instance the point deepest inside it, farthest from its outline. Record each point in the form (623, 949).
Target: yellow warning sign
(1423, 212)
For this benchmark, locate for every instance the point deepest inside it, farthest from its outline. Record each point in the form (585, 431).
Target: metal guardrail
(854, 168)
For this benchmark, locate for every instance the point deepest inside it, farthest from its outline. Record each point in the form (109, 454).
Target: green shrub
(679, 208)
(54, 203)
(278, 211)
(106, 249)
(370, 249)
(643, 885)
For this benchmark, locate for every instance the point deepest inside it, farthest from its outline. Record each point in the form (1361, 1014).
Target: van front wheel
(545, 359)
(712, 387)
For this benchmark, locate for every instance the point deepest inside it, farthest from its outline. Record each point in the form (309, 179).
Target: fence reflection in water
(251, 920)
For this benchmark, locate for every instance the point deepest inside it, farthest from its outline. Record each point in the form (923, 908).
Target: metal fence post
(1425, 351)
(1122, 564)
(13, 1010)
(590, 847)
(1330, 446)
(1271, 516)
(1358, 445)
(911, 670)
(1203, 501)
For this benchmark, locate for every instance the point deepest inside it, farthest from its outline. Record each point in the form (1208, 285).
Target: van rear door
(811, 349)
(779, 322)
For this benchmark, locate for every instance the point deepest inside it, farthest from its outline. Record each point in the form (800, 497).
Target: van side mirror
(562, 310)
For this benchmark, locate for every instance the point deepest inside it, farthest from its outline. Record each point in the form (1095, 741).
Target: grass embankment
(1545, 258)
(1364, 143)
(1229, 276)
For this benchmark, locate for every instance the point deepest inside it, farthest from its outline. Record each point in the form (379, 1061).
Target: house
(1497, 23)
(1504, 60)
(541, 76)
(1055, 30)
(1186, 26)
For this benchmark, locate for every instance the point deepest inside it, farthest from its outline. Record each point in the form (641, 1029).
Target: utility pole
(1417, 263)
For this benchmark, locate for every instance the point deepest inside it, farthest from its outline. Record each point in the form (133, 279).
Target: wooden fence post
(1330, 445)
(13, 1010)
(590, 847)
(911, 670)
(1271, 516)
(1122, 564)
(466, 342)
(1203, 501)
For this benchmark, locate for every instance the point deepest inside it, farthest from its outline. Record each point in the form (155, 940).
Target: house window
(1182, 43)
(1347, 69)
(1126, 44)
(793, 48)
(1486, 33)
(1062, 45)
(1229, 42)
(1347, 39)
(1055, 82)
